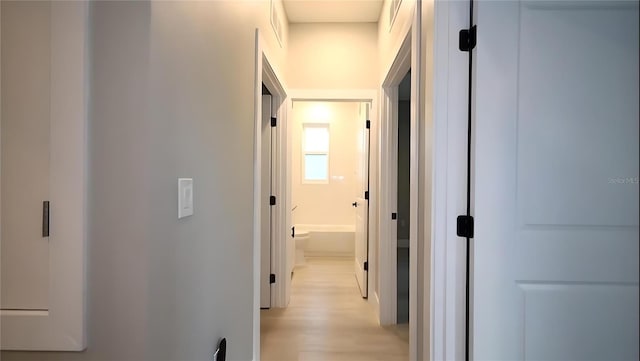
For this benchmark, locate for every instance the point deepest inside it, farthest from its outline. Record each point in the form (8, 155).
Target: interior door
(555, 260)
(362, 203)
(265, 212)
(25, 154)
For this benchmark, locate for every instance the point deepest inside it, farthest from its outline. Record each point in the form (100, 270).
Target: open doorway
(403, 231)
(403, 198)
(330, 183)
(332, 310)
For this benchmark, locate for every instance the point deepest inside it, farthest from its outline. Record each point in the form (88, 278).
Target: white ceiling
(333, 11)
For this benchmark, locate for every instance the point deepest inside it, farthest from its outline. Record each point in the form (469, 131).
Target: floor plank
(327, 320)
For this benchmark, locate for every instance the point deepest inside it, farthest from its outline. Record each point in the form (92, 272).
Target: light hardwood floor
(327, 320)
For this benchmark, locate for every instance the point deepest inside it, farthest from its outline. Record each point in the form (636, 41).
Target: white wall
(332, 56)
(327, 204)
(166, 104)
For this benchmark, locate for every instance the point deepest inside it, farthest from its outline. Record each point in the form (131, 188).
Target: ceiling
(333, 11)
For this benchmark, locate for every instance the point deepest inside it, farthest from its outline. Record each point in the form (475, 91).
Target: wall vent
(394, 6)
(276, 20)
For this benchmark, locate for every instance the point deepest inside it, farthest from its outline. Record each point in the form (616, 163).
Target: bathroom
(326, 170)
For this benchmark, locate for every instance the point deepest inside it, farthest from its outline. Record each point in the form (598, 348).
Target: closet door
(26, 75)
(43, 91)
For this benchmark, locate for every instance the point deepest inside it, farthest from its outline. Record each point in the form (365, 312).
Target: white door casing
(361, 202)
(555, 258)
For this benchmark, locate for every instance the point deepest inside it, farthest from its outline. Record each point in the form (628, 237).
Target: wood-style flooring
(328, 320)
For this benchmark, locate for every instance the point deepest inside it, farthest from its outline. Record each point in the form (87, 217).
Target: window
(315, 153)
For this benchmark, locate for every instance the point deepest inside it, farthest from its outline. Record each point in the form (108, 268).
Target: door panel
(556, 181)
(362, 204)
(25, 153)
(265, 212)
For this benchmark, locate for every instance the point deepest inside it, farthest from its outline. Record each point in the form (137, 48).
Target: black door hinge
(464, 227)
(394, 215)
(274, 121)
(368, 124)
(272, 200)
(272, 278)
(366, 265)
(366, 195)
(467, 39)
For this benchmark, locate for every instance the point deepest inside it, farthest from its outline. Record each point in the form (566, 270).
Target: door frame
(449, 69)
(266, 73)
(346, 95)
(407, 57)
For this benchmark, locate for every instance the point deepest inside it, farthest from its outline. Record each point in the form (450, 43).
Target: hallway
(328, 320)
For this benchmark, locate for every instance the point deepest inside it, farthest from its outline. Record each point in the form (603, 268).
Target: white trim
(62, 326)
(265, 73)
(337, 95)
(449, 191)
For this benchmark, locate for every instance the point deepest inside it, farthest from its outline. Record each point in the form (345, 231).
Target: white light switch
(185, 197)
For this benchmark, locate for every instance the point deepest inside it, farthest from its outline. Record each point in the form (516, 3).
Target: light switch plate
(185, 197)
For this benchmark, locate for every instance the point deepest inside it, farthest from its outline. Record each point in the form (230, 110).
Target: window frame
(304, 153)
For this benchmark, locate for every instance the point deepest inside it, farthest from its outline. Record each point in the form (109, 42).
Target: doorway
(403, 208)
(270, 220)
(328, 316)
(330, 182)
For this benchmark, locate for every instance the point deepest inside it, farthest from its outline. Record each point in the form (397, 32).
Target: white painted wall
(326, 204)
(332, 56)
(164, 104)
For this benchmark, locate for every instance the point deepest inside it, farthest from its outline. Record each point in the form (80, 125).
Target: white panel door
(265, 211)
(361, 203)
(26, 76)
(44, 116)
(555, 262)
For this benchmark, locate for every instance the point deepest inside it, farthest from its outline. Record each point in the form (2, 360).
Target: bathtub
(329, 240)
